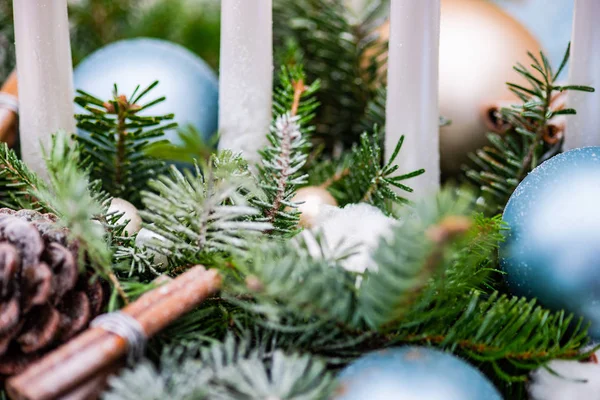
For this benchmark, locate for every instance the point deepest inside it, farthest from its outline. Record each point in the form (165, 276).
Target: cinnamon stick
(8, 117)
(93, 388)
(79, 360)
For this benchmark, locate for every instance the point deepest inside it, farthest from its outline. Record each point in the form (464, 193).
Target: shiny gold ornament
(312, 199)
(479, 45)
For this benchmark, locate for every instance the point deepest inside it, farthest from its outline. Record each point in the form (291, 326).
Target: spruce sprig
(17, 182)
(280, 172)
(204, 211)
(342, 52)
(118, 138)
(529, 140)
(232, 370)
(285, 278)
(432, 288)
(77, 202)
(416, 252)
(361, 176)
(508, 336)
(69, 194)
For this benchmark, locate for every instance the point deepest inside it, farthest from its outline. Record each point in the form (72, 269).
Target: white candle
(246, 75)
(45, 74)
(583, 129)
(412, 95)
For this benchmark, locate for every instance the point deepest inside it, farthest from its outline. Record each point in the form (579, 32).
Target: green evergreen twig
(77, 202)
(499, 167)
(232, 370)
(360, 175)
(343, 53)
(17, 182)
(203, 212)
(118, 139)
(279, 173)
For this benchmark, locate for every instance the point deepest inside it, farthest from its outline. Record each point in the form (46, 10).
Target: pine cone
(45, 297)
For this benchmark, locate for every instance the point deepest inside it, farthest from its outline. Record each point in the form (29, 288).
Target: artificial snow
(349, 234)
(569, 380)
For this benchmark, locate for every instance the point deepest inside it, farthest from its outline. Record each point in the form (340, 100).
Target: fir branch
(375, 111)
(129, 259)
(417, 253)
(431, 288)
(280, 174)
(360, 177)
(499, 167)
(70, 195)
(285, 278)
(17, 182)
(232, 370)
(288, 132)
(203, 212)
(513, 336)
(118, 139)
(343, 53)
(216, 317)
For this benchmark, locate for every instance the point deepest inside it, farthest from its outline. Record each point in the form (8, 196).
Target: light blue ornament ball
(413, 373)
(552, 251)
(189, 85)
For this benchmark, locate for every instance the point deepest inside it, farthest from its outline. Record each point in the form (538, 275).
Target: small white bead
(144, 238)
(311, 199)
(130, 213)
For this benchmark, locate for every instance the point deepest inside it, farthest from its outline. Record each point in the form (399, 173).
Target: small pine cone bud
(135, 107)
(110, 107)
(122, 101)
(45, 299)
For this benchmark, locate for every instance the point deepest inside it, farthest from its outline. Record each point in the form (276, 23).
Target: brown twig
(335, 178)
(299, 90)
(115, 281)
(374, 184)
(482, 347)
(122, 113)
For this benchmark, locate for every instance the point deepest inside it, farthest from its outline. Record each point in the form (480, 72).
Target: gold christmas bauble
(312, 198)
(479, 45)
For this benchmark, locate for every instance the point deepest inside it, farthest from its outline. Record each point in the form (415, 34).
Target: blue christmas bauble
(189, 85)
(411, 373)
(552, 251)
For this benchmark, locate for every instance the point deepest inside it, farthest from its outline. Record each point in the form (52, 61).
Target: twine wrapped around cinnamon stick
(8, 110)
(73, 365)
